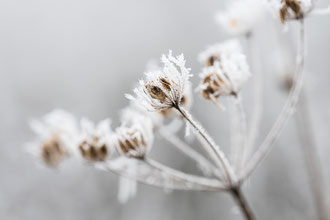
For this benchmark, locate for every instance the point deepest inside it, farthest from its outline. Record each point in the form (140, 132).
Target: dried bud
(57, 134)
(163, 89)
(211, 86)
(228, 72)
(134, 138)
(241, 16)
(291, 9)
(93, 150)
(95, 141)
(53, 152)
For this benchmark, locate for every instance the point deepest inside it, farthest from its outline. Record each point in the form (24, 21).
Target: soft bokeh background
(83, 55)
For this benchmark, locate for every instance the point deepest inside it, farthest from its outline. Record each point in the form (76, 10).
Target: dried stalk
(201, 161)
(240, 134)
(214, 151)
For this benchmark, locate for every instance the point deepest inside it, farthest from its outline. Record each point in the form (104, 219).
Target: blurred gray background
(83, 55)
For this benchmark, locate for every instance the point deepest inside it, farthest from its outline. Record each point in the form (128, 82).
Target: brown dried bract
(213, 84)
(293, 5)
(132, 143)
(211, 60)
(166, 84)
(92, 151)
(156, 93)
(52, 152)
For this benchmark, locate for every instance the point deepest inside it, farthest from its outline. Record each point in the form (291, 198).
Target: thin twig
(312, 159)
(240, 134)
(188, 178)
(152, 173)
(214, 151)
(287, 110)
(201, 161)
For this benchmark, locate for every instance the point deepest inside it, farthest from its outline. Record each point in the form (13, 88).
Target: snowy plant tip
(56, 134)
(225, 71)
(241, 16)
(95, 141)
(135, 139)
(291, 9)
(163, 89)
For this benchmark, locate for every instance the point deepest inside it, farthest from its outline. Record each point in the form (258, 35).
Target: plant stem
(204, 164)
(242, 202)
(241, 133)
(214, 151)
(312, 159)
(286, 112)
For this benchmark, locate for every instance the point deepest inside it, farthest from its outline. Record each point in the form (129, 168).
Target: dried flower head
(57, 133)
(95, 141)
(291, 9)
(226, 70)
(163, 89)
(241, 16)
(134, 138)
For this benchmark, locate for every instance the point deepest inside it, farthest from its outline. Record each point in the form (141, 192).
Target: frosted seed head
(53, 152)
(240, 16)
(135, 138)
(163, 89)
(291, 9)
(95, 140)
(57, 133)
(225, 71)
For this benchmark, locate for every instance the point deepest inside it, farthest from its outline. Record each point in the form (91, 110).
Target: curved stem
(155, 174)
(287, 110)
(312, 159)
(240, 134)
(201, 161)
(188, 178)
(242, 202)
(214, 151)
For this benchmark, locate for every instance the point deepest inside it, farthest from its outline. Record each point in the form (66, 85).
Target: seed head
(134, 138)
(241, 16)
(291, 9)
(57, 133)
(163, 89)
(95, 141)
(225, 71)
(53, 152)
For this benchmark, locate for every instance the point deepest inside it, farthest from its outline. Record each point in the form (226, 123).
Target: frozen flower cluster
(241, 16)
(291, 9)
(163, 89)
(225, 71)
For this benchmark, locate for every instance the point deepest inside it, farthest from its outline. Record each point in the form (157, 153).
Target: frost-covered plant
(240, 16)
(160, 102)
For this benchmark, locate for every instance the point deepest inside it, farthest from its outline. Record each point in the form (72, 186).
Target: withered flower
(95, 141)
(225, 71)
(292, 9)
(134, 138)
(163, 89)
(57, 134)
